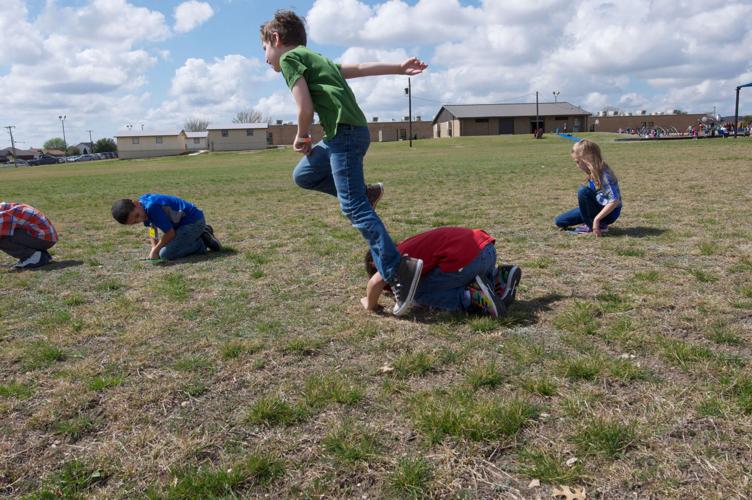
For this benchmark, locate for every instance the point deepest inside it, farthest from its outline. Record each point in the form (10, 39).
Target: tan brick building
(146, 144)
(455, 120)
(237, 136)
(283, 134)
(639, 121)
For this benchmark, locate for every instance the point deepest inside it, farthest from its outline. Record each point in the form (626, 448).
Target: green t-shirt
(333, 100)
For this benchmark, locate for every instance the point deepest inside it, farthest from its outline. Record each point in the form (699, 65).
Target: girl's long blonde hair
(589, 153)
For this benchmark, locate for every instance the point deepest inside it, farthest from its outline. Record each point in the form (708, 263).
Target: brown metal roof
(511, 110)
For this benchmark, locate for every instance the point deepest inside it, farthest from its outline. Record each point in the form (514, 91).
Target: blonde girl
(599, 200)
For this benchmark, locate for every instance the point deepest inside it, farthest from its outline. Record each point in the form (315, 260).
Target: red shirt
(17, 216)
(448, 248)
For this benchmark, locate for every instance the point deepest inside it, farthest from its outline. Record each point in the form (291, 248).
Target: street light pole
(556, 95)
(409, 92)
(65, 143)
(12, 144)
(91, 142)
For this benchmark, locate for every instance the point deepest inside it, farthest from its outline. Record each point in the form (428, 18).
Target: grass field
(624, 367)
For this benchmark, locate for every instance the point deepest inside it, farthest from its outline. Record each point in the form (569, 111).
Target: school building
(459, 120)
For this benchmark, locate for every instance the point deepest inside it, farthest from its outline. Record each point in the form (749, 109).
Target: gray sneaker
(374, 192)
(209, 240)
(36, 259)
(405, 284)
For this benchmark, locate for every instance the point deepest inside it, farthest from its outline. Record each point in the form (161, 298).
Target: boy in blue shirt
(183, 228)
(335, 165)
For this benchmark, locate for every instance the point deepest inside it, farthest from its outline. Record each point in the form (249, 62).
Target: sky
(106, 64)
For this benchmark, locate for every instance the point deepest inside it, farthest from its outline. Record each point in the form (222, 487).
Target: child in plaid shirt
(26, 234)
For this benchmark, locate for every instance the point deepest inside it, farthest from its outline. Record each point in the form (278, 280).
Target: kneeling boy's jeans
(187, 241)
(586, 211)
(335, 167)
(440, 290)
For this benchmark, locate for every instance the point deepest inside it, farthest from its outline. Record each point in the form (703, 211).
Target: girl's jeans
(335, 167)
(586, 212)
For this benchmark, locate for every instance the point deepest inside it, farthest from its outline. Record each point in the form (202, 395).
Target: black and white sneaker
(374, 192)
(505, 284)
(209, 240)
(405, 284)
(36, 259)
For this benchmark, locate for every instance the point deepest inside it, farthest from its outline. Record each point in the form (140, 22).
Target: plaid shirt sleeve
(15, 216)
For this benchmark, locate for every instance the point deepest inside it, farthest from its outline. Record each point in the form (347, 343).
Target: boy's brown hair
(289, 27)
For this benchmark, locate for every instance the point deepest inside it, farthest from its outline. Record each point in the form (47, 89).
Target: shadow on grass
(636, 232)
(55, 265)
(520, 313)
(225, 252)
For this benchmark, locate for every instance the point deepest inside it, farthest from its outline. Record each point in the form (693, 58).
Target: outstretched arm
(374, 288)
(303, 99)
(412, 66)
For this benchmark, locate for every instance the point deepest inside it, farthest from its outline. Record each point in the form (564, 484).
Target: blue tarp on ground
(570, 137)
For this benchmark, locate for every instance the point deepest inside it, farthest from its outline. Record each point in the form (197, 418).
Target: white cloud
(191, 14)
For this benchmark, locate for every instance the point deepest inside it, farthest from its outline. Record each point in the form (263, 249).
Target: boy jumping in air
(335, 165)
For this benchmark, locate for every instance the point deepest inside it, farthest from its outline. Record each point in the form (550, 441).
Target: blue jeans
(587, 210)
(335, 167)
(187, 241)
(440, 290)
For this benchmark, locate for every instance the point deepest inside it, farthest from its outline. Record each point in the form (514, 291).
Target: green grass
(465, 415)
(411, 478)
(163, 380)
(18, 390)
(607, 438)
(350, 443)
(273, 411)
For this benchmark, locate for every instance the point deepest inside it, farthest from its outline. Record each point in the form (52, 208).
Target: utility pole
(91, 142)
(537, 115)
(12, 144)
(65, 143)
(409, 92)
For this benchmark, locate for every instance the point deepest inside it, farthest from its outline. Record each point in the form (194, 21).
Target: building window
(402, 134)
(134, 140)
(481, 120)
(159, 140)
(269, 138)
(249, 131)
(196, 140)
(561, 118)
(225, 133)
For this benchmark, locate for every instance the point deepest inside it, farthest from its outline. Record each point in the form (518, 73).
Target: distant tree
(72, 151)
(679, 112)
(55, 143)
(250, 116)
(105, 145)
(195, 125)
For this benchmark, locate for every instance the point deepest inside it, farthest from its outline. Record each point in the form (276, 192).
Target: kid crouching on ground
(459, 272)
(183, 228)
(600, 199)
(26, 234)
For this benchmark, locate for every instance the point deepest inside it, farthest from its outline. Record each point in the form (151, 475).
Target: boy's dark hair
(121, 209)
(289, 27)
(370, 266)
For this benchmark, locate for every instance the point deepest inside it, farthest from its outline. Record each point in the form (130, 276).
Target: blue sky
(108, 63)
